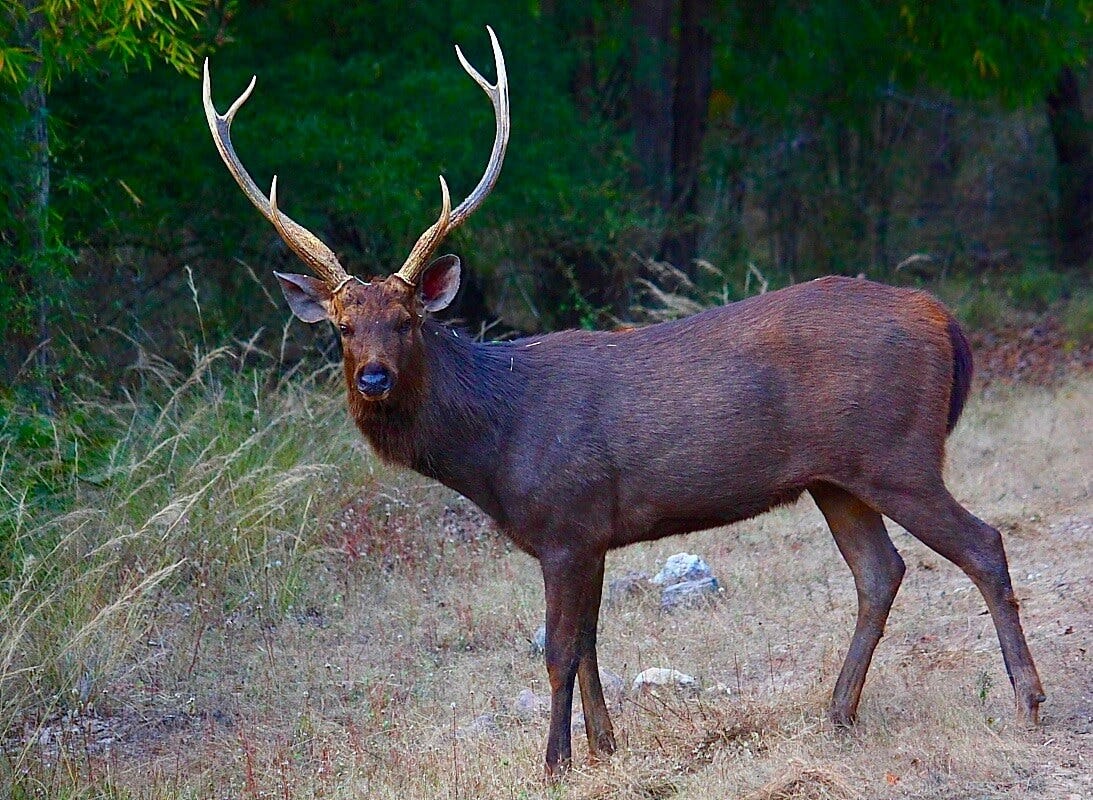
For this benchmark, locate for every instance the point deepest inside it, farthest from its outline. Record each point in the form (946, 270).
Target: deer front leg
(573, 583)
(597, 721)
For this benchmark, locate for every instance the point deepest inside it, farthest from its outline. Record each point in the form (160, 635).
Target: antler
(304, 243)
(449, 221)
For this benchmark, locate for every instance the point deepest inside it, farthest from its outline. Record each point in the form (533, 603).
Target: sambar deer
(579, 442)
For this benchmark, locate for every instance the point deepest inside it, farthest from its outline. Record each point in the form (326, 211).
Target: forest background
(663, 151)
(203, 569)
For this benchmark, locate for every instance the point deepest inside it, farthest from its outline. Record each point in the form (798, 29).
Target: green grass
(202, 487)
(1077, 317)
(997, 302)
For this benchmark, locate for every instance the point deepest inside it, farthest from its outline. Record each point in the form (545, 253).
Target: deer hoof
(842, 718)
(556, 772)
(1028, 709)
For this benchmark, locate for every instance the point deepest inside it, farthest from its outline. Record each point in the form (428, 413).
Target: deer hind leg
(942, 524)
(573, 585)
(878, 570)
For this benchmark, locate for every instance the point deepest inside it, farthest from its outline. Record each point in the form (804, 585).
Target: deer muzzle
(375, 381)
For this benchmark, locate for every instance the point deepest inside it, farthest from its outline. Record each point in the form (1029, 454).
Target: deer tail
(962, 373)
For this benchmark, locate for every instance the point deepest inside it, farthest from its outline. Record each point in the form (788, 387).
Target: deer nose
(374, 380)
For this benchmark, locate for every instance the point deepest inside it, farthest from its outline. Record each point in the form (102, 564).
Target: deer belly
(649, 519)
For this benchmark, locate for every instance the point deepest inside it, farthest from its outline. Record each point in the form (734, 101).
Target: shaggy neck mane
(448, 422)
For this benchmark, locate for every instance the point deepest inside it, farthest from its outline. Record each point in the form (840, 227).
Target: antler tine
(428, 242)
(301, 241)
(499, 96)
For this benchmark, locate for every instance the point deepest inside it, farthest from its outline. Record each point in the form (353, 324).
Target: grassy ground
(233, 601)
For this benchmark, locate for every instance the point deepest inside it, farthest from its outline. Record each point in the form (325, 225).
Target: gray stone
(538, 641)
(632, 585)
(689, 593)
(482, 725)
(529, 704)
(614, 687)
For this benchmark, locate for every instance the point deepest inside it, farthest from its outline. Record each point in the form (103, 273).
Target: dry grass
(371, 642)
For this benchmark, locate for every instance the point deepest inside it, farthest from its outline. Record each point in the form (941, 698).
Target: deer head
(379, 320)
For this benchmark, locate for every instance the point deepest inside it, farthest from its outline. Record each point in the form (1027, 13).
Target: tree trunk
(1074, 176)
(937, 212)
(585, 82)
(36, 203)
(651, 97)
(881, 188)
(690, 109)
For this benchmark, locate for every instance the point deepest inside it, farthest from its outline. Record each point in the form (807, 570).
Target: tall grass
(199, 488)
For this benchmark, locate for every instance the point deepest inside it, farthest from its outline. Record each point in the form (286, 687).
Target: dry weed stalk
(804, 781)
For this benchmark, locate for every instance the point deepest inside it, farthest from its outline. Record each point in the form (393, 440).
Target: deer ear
(439, 283)
(309, 298)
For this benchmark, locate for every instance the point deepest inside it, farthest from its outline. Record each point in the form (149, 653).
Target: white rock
(683, 567)
(658, 676)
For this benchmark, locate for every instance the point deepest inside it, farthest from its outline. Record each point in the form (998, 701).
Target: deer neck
(450, 426)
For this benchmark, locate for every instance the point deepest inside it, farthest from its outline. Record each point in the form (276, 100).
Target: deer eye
(345, 329)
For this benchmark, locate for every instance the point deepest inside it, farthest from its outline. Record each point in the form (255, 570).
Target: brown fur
(579, 442)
